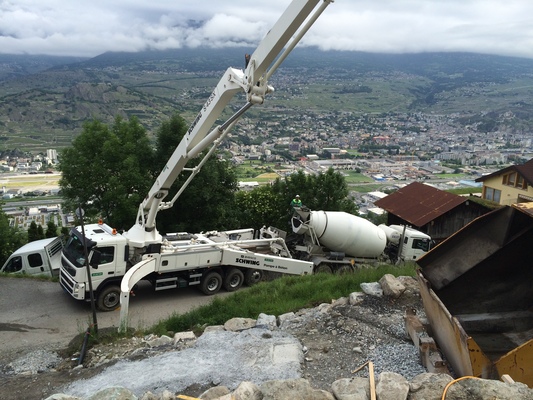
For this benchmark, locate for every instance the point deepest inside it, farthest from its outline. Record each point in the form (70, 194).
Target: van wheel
(233, 280)
(252, 276)
(108, 299)
(211, 283)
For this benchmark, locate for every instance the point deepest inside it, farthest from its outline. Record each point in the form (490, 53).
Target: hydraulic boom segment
(253, 81)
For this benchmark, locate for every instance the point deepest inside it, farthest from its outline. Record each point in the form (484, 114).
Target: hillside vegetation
(40, 109)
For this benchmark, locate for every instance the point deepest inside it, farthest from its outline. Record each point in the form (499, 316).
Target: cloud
(63, 27)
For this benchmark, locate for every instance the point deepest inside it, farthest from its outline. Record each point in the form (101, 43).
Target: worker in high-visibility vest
(296, 202)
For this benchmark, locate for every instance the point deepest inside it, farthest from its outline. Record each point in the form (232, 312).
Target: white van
(40, 257)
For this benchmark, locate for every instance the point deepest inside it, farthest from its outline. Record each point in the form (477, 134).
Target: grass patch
(466, 190)
(356, 177)
(369, 188)
(282, 295)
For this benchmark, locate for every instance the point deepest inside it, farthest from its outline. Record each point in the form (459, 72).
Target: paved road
(35, 314)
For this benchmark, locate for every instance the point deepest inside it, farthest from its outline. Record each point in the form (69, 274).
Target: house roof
(526, 170)
(418, 204)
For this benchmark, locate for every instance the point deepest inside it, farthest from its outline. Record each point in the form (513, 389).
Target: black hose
(84, 345)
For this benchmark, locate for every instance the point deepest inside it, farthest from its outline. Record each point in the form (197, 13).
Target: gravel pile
(33, 363)
(400, 358)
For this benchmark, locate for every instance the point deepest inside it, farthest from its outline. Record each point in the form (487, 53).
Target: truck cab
(107, 252)
(415, 243)
(40, 257)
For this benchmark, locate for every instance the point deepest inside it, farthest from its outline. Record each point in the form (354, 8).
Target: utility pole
(80, 213)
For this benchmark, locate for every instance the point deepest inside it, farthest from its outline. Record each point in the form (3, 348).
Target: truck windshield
(421, 244)
(74, 250)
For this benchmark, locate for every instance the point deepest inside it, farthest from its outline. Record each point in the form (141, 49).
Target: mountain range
(44, 101)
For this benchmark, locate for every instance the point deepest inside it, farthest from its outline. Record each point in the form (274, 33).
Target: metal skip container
(477, 290)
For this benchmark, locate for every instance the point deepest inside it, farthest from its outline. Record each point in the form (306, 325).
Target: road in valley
(39, 314)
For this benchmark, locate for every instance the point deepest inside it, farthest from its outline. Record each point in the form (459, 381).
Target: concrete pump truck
(209, 260)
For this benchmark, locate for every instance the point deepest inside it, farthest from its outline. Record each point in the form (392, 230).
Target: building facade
(510, 185)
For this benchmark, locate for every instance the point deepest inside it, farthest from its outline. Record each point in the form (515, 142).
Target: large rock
(214, 393)
(239, 324)
(391, 286)
(425, 386)
(482, 389)
(113, 393)
(392, 386)
(267, 321)
(356, 298)
(372, 289)
(245, 391)
(292, 389)
(351, 389)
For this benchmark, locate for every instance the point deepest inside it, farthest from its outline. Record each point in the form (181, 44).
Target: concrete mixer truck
(337, 241)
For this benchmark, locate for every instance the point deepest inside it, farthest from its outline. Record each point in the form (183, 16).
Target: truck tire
(211, 283)
(108, 299)
(323, 268)
(252, 276)
(344, 269)
(233, 280)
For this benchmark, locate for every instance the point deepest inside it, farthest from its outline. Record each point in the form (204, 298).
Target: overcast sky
(88, 28)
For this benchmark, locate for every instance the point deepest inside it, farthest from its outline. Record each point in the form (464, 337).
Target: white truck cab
(415, 243)
(112, 251)
(40, 257)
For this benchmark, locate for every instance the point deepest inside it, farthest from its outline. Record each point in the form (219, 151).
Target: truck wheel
(252, 276)
(108, 299)
(233, 280)
(344, 269)
(211, 283)
(323, 268)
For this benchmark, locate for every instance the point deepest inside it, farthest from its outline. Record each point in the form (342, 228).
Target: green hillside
(42, 109)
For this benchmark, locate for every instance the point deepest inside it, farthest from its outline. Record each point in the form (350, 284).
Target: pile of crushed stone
(33, 363)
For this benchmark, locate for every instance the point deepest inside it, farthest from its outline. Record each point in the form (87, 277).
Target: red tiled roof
(419, 204)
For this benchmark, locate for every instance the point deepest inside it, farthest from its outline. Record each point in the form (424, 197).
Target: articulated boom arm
(254, 82)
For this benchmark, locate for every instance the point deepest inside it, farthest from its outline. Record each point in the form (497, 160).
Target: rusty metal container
(477, 290)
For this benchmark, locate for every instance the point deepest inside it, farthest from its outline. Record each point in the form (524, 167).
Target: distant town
(393, 150)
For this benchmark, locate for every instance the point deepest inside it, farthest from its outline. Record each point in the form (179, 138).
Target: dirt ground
(336, 343)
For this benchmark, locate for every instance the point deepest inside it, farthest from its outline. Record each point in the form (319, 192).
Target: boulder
(372, 289)
(214, 393)
(481, 389)
(291, 389)
(113, 393)
(239, 324)
(356, 298)
(392, 386)
(425, 386)
(351, 389)
(391, 286)
(267, 321)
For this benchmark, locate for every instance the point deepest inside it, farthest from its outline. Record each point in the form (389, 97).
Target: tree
(261, 206)
(270, 205)
(108, 171)
(40, 232)
(33, 232)
(323, 191)
(10, 238)
(208, 202)
(51, 229)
